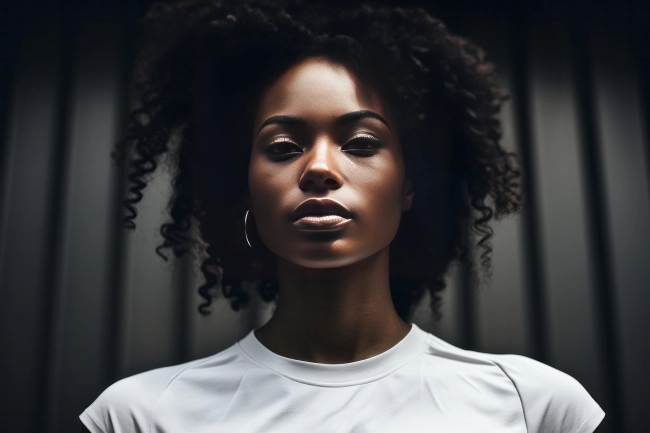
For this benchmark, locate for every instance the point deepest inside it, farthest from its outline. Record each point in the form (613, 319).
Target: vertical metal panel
(148, 335)
(624, 167)
(502, 325)
(599, 239)
(568, 273)
(467, 287)
(128, 12)
(29, 174)
(80, 359)
(182, 307)
(535, 302)
(8, 48)
(502, 322)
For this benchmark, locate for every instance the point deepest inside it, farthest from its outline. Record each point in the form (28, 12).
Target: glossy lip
(321, 223)
(319, 207)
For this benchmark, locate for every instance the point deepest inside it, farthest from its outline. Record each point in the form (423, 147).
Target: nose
(321, 169)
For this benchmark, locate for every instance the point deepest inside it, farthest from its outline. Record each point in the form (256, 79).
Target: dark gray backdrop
(82, 303)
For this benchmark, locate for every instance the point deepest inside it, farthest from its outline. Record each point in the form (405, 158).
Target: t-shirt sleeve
(552, 401)
(127, 405)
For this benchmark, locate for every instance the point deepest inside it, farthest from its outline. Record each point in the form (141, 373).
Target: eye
(363, 144)
(281, 149)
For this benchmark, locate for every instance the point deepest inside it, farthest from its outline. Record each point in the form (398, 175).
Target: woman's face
(319, 133)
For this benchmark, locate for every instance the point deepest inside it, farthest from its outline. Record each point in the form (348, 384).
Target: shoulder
(552, 400)
(128, 404)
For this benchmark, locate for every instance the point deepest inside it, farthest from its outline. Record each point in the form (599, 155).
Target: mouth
(321, 222)
(320, 214)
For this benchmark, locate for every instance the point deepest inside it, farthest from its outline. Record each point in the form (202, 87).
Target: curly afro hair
(203, 64)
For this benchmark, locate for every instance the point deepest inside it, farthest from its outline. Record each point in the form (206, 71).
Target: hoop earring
(245, 234)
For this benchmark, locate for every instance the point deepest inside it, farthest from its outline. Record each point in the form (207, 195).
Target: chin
(326, 259)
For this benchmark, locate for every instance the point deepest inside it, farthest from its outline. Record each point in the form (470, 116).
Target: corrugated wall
(84, 303)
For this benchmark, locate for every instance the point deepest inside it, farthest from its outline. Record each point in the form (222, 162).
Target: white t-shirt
(421, 384)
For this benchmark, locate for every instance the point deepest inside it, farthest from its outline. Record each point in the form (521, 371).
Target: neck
(334, 315)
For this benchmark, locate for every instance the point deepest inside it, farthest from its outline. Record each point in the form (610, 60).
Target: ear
(408, 195)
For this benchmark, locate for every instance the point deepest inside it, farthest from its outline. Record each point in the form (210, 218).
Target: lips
(320, 207)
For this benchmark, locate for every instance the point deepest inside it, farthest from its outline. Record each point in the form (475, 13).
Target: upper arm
(551, 399)
(126, 406)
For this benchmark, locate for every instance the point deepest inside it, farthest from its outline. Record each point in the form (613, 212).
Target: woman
(334, 158)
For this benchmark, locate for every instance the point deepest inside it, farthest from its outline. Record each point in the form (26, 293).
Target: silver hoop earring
(245, 219)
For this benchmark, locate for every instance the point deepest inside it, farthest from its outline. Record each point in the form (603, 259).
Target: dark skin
(334, 303)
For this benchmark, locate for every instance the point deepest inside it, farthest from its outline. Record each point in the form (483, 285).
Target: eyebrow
(346, 118)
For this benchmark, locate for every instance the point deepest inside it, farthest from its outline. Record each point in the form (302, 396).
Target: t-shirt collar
(336, 375)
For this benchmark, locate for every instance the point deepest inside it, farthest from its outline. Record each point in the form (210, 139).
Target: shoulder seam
(521, 402)
(191, 364)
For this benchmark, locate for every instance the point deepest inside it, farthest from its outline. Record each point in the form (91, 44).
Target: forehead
(317, 89)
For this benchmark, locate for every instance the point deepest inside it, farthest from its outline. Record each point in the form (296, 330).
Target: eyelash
(365, 138)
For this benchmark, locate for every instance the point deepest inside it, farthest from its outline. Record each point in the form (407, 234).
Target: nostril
(313, 179)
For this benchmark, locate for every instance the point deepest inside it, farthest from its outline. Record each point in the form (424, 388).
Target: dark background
(83, 303)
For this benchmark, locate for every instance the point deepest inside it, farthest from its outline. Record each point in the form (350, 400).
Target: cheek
(262, 186)
(269, 186)
(385, 187)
